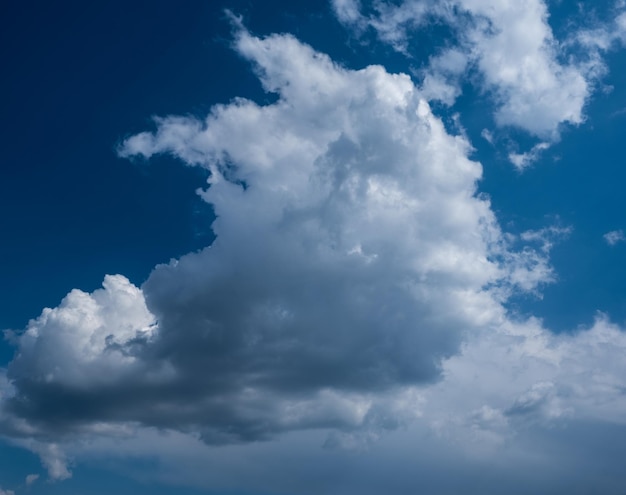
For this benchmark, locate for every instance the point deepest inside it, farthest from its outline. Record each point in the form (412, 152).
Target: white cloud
(517, 399)
(356, 287)
(526, 373)
(546, 236)
(538, 83)
(53, 459)
(614, 236)
(441, 78)
(603, 36)
(85, 339)
(6, 492)
(524, 160)
(518, 58)
(31, 479)
(352, 255)
(347, 11)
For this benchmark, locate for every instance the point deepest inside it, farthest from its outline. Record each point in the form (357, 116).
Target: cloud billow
(351, 255)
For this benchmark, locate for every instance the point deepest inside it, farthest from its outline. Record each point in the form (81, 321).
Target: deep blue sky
(80, 77)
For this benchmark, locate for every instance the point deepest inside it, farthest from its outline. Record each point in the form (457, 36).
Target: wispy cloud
(614, 237)
(31, 479)
(524, 160)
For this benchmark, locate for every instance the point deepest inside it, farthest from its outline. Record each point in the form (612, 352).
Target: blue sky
(347, 247)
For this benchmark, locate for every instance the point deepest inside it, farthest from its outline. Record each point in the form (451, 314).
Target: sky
(343, 247)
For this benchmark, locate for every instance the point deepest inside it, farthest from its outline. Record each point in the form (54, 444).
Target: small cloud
(614, 237)
(523, 160)
(547, 236)
(487, 136)
(31, 478)
(347, 11)
(618, 113)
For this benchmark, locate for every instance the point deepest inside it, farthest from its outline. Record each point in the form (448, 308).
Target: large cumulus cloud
(352, 253)
(356, 284)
